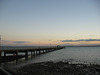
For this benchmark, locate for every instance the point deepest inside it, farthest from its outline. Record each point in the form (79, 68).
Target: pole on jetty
(0, 50)
(0, 46)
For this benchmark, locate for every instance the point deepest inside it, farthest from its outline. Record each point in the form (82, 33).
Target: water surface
(75, 54)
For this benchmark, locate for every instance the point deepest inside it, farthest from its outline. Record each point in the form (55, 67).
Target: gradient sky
(45, 22)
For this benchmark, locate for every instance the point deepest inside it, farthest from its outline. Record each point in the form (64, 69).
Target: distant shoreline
(82, 46)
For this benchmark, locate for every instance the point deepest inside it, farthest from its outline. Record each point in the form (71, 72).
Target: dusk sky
(49, 22)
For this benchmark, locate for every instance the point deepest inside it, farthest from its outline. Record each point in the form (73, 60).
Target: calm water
(75, 54)
(84, 54)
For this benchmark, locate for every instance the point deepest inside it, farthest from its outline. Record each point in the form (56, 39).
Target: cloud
(20, 42)
(80, 40)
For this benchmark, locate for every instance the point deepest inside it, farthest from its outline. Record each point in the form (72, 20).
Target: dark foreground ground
(57, 68)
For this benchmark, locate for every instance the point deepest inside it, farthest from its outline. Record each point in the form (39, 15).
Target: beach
(56, 68)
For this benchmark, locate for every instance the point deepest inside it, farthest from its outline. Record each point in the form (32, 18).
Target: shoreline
(56, 68)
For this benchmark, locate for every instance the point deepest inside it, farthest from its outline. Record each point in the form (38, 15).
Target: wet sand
(56, 68)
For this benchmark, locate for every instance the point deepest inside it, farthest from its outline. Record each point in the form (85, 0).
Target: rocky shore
(57, 68)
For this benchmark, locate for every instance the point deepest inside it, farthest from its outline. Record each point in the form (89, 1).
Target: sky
(49, 22)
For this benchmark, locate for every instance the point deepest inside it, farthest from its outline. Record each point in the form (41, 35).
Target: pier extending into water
(15, 53)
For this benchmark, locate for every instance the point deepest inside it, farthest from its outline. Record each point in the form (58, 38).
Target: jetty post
(16, 56)
(26, 55)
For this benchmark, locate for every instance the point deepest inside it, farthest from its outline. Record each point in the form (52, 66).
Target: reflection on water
(75, 54)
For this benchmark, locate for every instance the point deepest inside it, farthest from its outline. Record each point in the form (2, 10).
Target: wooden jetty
(16, 55)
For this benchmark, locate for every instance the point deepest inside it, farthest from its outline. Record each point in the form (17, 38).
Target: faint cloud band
(80, 40)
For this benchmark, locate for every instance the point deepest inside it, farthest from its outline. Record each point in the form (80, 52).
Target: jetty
(7, 55)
